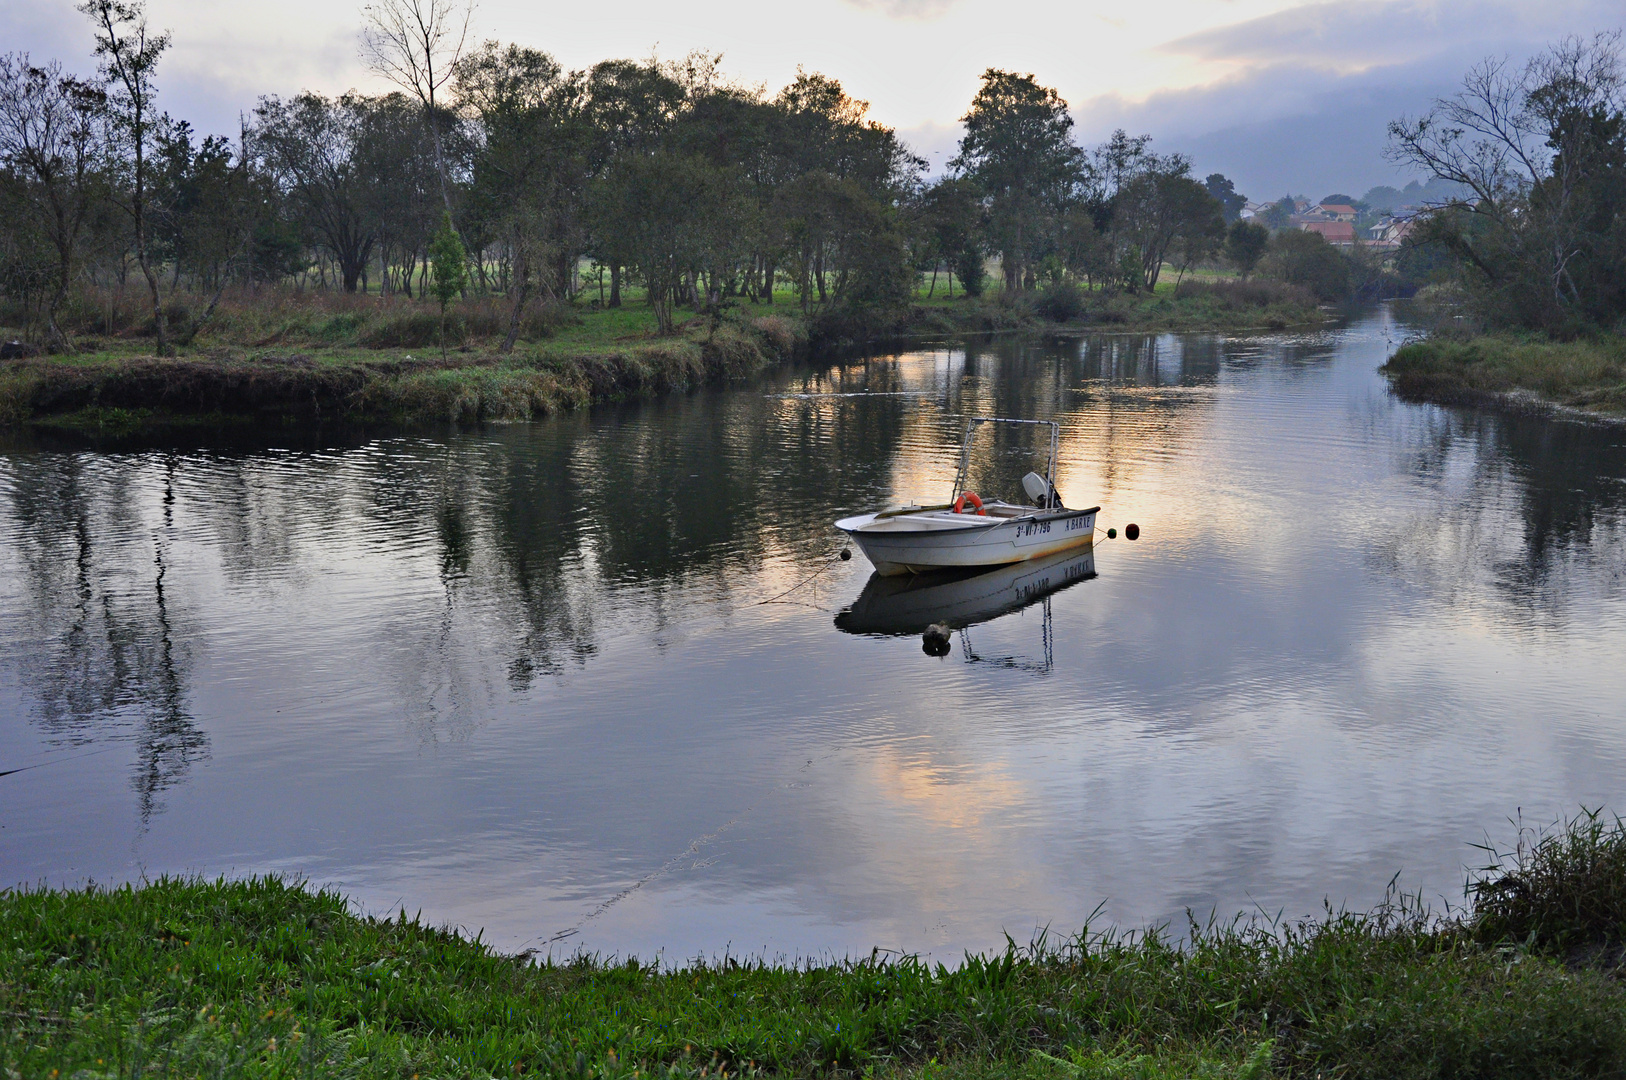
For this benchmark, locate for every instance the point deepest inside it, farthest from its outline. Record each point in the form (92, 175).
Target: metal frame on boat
(967, 531)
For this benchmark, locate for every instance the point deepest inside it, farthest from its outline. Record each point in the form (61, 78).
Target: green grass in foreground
(1587, 373)
(264, 978)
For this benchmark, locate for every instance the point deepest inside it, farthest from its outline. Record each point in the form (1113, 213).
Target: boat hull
(895, 551)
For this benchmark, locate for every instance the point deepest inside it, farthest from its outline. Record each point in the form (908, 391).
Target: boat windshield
(1042, 489)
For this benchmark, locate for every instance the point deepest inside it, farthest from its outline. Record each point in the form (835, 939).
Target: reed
(1560, 888)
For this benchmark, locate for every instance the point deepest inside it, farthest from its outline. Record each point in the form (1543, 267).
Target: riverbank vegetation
(337, 359)
(1527, 293)
(511, 207)
(272, 978)
(1586, 373)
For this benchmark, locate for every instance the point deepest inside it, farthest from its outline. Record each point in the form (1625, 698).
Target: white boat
(968, 531)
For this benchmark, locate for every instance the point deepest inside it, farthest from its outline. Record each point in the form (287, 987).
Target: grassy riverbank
(1587, 373)
(267, 978)
(293, 358)
(297, 376)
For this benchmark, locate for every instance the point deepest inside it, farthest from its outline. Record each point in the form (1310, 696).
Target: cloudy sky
(1280, 95)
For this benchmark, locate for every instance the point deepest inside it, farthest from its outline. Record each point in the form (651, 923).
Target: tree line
(664, 176)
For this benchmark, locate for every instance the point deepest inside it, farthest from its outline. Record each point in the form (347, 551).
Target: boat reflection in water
(958, 599)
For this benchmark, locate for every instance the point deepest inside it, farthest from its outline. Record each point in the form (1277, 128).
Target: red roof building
(1338, 211)
(1337, 233)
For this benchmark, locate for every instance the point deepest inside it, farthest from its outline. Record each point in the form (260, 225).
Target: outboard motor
(1040, 491)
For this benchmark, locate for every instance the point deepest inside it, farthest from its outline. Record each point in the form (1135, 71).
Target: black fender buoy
(1112, 534)
(935, 641)
(1131, 531)
(846, 554)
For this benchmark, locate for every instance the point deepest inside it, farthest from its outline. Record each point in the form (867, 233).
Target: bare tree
(48, 138)
(129, 55)
(416, 45)
(1509, 136)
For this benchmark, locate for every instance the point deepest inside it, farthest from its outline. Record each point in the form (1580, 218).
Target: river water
(525, 680)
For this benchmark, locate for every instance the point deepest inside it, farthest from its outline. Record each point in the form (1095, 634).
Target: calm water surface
(525, 679)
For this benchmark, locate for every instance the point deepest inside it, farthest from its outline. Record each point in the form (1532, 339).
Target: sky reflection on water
(523, 679)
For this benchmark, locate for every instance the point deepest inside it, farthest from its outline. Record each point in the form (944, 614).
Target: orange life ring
(971, 497)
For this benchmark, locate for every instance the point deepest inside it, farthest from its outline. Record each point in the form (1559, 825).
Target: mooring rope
(799, 584)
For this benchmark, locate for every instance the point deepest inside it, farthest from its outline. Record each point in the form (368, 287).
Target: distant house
(1337, 211)
(1336, 233)
(1394, 230)
(1388, 234)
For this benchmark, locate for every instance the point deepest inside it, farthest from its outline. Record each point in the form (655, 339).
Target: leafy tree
(851, 170)
(1164, 211)
(970, 269)
(951, 214)
(210, 216)
(1018, 150)
(664, 211)
(311, 146)
(450, 273)
(1085, 250)
(392, 166)
(1232, 202)
(842, 245)
(49, 136)
(628, 107)
(529, 183)
(1279, 214)
(1149, 207)
(1245, 245)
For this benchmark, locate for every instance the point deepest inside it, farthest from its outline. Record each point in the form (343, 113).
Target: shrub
(968, 267)
(1060, 302)
(411, 330)
(781, 335)
(341, 327)
(1241, 295)
(545, 320)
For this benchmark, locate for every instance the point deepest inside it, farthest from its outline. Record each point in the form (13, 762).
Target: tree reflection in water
(107, 663)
